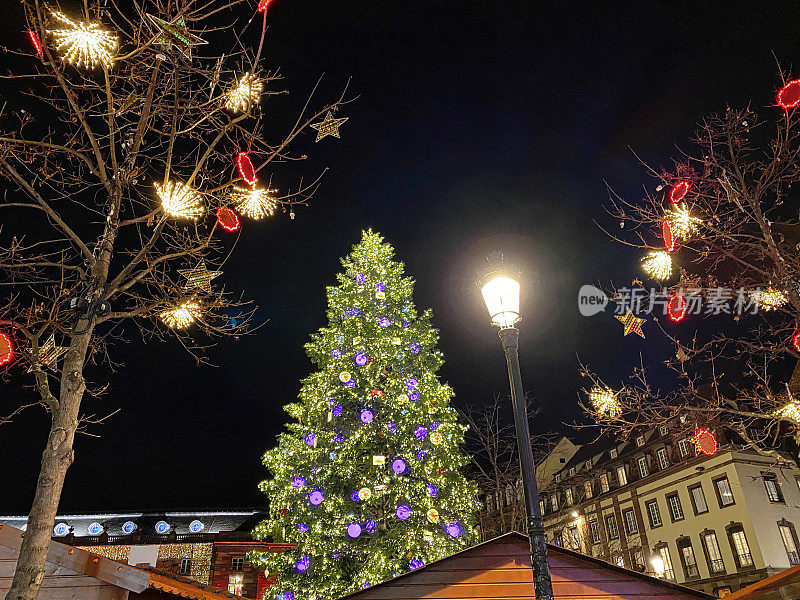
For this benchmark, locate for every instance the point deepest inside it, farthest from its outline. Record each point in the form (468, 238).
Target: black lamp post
(500, 290)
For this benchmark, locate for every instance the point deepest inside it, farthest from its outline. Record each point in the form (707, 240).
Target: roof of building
(406, 581)
(145, 521)
(787, 581)
(74, 561)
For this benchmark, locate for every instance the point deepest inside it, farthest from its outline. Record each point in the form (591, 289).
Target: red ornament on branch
(679, 191)
(789, 96)
(228, 219)
(246, 170)
(263, 4)
(705, 442)
(676, 307)
(36, 42)
(666, 233)
(796, 340)
(6, 349)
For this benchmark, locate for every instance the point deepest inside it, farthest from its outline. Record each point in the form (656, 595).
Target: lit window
(715, 562)
(683, 448)
(687, 558)
(640, 441)
(587, 487)
(662, 430)
(773, 488)
(576, 538)
(541, 506)
(675, 508)
(724, 493)
(237, 564)
(619, 561)
(604, 482)
(611, 527)
(589, 464)
(594, 531)
(741, 548)
(630, 521)
(789, 544)
(557, 477)
(568, 496)
(235, 583)
(663, 460)
(185, 567)
(642, 462)
(613, 453)
(669, 573)
(554, 501)
(698, 500)
(558, 538)
(571, 471)
(653, 513)
(622, 477)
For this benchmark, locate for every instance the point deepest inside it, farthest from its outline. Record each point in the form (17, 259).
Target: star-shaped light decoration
(632, 323)
(199, 277)
(49, 353)
(681, 355)
(176, 34)
(328, 126)
(83, 44)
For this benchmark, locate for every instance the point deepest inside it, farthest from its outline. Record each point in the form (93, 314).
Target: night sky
(478, 126)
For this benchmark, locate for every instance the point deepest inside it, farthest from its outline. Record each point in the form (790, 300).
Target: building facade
(656, 504)
(208, 547)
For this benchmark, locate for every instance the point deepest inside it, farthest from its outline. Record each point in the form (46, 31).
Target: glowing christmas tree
(366, 480)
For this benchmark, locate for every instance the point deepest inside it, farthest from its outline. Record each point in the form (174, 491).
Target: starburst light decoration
(770, 299)
(789, 411)
(180, 200)
(181, 316)
(245, 94)
(254, 203)
(657, 264)
(84, 44)
(605, 402)
(683, 224)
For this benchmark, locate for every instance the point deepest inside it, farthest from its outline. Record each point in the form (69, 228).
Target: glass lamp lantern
(501, 295)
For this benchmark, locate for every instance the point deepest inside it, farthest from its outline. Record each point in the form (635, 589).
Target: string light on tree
(631, 323)
(228, 219)
(199, 277)
(705, 441)
(657, 264)
(676, 307)
(84, 44)
(37, 43)
(604, 401)
(6, 349)
(254, 203)
(667, 235)
(770, 299)
(245, 94)
(682, 223)
(328, 126)
(49, 353)
(182, 316)
(180, 200)
(796, 340)
(678, 191)
(245, 167)
(789, 411)
(789, 95)
(176, 34)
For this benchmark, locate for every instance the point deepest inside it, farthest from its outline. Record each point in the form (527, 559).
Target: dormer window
(640, 441)
(613, 453)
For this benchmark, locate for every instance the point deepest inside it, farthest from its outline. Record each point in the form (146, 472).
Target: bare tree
(495, 466)
(731, 210)
(117, 145)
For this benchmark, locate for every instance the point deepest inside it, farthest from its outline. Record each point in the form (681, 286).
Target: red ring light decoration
(263, 4)
(679, 191)
(705, 442)
(666, 233)
(789, 96)
(676, 308)
(228, 219)
(246, 170)
(796, 340)
(6, 349)
(36, 42)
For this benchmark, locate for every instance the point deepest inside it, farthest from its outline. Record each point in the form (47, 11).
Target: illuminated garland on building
(366, 479)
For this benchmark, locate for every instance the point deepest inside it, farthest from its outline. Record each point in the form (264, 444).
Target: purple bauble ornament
(399, 465)
(366, 416)
(360, 278)
(310, 439)
(420, 433)
(414, 347)
(360, 359)
(298, 481)
(316, 497)
(453, 530)
(354, 530)
(432, 490)
(412, 383)
(403, 512)
(384, 322)
(302, 564)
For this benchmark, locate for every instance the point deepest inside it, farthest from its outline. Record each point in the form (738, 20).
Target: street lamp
(500, 289)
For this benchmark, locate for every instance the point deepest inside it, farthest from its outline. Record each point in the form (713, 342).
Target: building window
(557, 477)
(509, 495)
(571, 471)
(185, 566)
(568, 496)
(594, 531)
(604, 482)
(589, 464)
(773, 488)
(630, 521)
(713, 554)
(740, 547)
(663, 460)
(499, 500)
(653, 513)
(611, 527)
(489, 502)
(541, 507)
(587, 488)
(698, 499)
(557, 538)
(640, 441)
(642, 462)
(237, 564)
(675, 508)
(619, 561)
(683, 448)
(789, 543)
(235, 583)
(669, 572)
(554, 502)
(724, 493)
(686, 553)
(576, 538)
(622, 477)
(662, 430)
(721, 592)
(612, 453)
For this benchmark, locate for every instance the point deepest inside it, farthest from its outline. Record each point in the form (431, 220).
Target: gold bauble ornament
(344, 377)
(433, 515)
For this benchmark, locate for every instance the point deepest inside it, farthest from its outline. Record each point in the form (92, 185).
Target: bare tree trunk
(56, 459)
